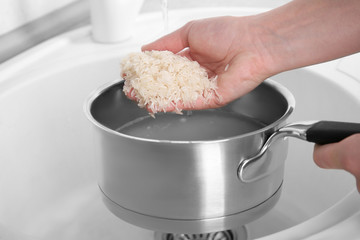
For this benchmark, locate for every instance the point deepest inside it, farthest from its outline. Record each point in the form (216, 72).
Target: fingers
(131, 95)
(343, 155)
(174, 42)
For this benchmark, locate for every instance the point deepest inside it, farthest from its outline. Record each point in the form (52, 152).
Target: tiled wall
(14, 13)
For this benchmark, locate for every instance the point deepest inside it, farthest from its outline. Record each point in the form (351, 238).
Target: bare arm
(298, 34)
(308, 32)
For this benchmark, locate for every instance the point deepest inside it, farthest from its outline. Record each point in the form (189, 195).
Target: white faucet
(113, 20)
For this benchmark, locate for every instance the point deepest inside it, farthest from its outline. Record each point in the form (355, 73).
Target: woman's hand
(228, 47)
(244, 51)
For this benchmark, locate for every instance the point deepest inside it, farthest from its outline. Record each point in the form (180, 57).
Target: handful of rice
(160, 80)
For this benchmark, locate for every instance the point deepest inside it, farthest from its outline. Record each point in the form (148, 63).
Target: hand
(257, 47)
(343, 155)
(227, 47)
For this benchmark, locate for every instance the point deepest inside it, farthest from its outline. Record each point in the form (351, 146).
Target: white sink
(48, 186)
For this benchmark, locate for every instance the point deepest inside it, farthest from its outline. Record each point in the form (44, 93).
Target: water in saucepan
(197, 126)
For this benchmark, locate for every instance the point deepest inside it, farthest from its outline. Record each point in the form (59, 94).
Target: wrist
(270, 49)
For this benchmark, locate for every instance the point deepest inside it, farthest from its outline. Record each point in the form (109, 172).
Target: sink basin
(48, 182)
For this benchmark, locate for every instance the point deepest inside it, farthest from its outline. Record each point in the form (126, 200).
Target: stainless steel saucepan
(198, 185)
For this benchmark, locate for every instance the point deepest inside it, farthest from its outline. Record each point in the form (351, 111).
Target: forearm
(243, 51)
(306, 32)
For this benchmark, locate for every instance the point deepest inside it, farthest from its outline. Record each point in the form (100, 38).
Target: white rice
(161, 79)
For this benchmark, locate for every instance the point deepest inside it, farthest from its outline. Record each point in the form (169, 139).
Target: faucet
(113, 20)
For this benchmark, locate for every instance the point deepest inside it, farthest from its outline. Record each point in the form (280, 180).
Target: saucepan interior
(266, 106)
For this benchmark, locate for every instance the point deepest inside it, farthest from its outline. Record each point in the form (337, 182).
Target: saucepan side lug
(260, 165)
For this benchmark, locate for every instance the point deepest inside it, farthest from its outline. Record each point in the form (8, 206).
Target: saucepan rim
(276, 86)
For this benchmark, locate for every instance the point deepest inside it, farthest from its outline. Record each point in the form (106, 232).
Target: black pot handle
(324, 132)
(320, 132)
